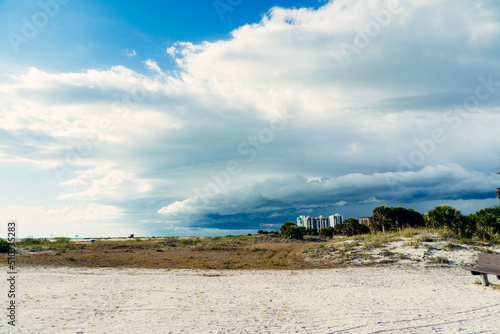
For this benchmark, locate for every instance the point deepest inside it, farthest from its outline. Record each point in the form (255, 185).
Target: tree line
(484, 224)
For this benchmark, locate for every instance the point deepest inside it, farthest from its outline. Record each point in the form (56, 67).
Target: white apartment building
(301, 220)
(319, 222)
(336, 219)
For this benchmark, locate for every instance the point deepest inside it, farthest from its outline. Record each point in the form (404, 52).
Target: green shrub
(387, 261)
(189, 242)
(386, 252)
(450, 246)
(327, 232)
(33, 241)
(367, 256)
(446, 216)
(62, 240)
(290, 230)
(488, 223)
(4, 246)
(448, 234)
(439, 259)
(413, 243)
(351, 227)
(348, 247)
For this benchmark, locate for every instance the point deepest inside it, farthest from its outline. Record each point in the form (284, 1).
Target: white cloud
(93, 211)
(93, 219)
(148, 142)
(152, 65)
(130, 53)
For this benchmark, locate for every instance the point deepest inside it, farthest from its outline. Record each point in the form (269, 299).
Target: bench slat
(487, 264)
(489, 261)
(485, 271)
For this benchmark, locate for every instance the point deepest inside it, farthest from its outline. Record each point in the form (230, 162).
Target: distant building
(365, 221)
(301, 220)
(313, 222)
(319, 222)
(336, 219)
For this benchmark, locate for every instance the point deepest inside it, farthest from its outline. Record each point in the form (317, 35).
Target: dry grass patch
(241, 252)
(202, 253)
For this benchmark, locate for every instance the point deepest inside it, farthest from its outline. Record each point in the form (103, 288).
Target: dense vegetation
(4, 246)
(483, 225)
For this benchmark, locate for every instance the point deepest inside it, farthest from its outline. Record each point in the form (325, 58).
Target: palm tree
(444, 216)
(380, 218)
(488, 221)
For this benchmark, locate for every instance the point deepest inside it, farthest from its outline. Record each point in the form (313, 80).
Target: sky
(230, 116)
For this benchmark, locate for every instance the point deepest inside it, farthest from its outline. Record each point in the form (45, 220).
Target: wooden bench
(487, 264)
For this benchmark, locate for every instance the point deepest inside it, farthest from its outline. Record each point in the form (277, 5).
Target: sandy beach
(352, 300)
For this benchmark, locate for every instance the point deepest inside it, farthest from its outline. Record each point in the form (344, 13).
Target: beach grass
(241, 252)
(245, 251)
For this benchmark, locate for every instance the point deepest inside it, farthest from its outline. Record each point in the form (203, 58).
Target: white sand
(354, 300)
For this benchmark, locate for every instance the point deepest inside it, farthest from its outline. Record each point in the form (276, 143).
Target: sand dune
(352, 300)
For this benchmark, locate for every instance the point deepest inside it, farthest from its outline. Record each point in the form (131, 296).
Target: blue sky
(96, 34)
(226, 117)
